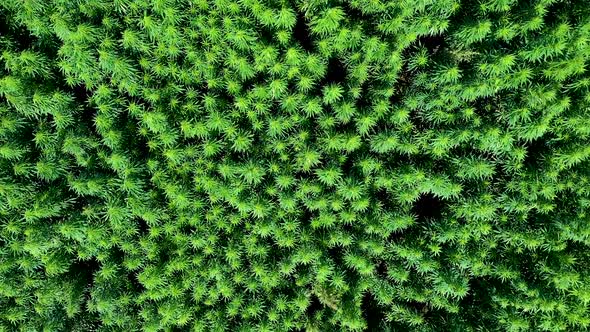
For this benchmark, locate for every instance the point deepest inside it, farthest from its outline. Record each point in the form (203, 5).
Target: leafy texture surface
(294, 165)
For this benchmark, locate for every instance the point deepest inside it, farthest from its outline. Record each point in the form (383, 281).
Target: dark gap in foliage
(4, 27)
(83, 271)
(383, 197)
(307, 216)
(347, 166)
(335, 253)
(535, 151)
(438, 49)
(79, 202)
(117, 254)
(16, 33)
(477, 301)
(354, 12)
(89, 266)
(365, 98)
(486, 107)
(81, 94)
(422, 161)
(314, 306)
(522, 261)
(249, 84)
(336, 72)
(84, 321)
(568, 217)
(477, 293)
(397, 237)
(418, 120)
(419, 307)
(396, 161)
(187, 229)
(433, 43)
(177, 329)
(576, 247)
(135, 144)
(50, 48)
(142, 226)
(302, 34)
(428, 207)
(372, 313)
(343, 128)
(382, 269)
(134, 281)
(86, 113)
(225, 99)
(441, 166)
(403, 83)
(366, 21)
(538, 220)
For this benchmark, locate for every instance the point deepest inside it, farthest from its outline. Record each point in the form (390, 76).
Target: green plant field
(294, 165)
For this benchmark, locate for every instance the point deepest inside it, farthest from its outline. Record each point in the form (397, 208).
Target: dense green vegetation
(294, 165)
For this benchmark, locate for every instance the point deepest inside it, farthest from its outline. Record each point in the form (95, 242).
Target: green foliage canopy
(294, 165)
